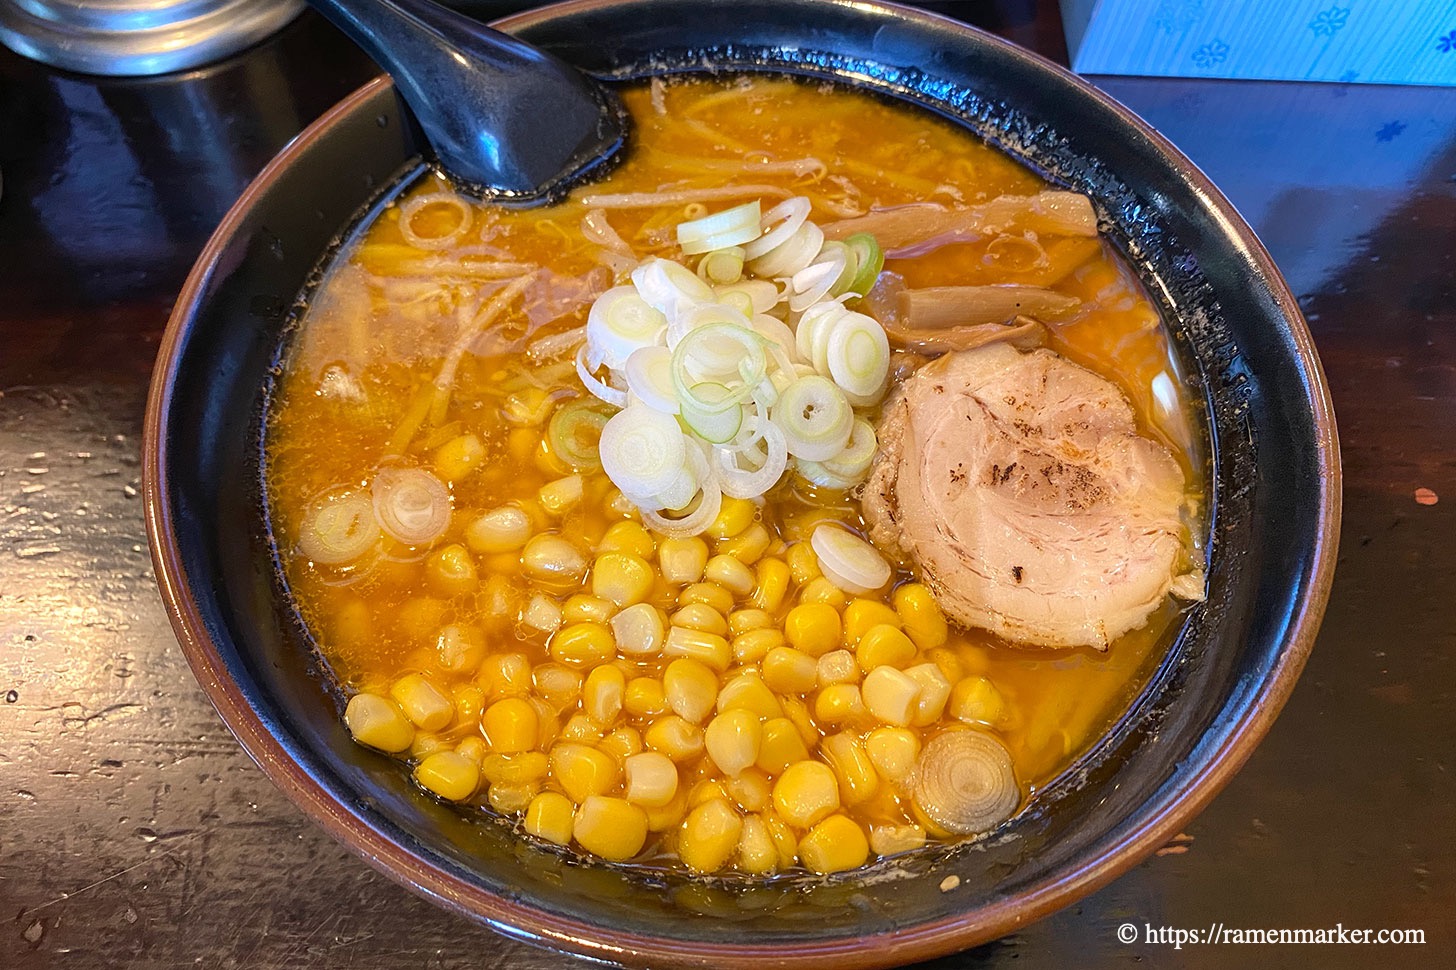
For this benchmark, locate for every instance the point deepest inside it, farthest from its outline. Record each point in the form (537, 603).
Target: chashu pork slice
(1018, 486)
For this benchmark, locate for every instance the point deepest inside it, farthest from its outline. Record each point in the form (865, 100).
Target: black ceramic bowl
(1275, 479)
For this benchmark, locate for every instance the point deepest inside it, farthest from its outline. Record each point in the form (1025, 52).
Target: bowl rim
(902, 945)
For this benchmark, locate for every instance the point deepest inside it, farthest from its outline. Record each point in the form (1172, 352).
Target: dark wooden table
(134, 832)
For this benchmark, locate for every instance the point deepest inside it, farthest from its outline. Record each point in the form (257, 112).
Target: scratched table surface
(134, 832)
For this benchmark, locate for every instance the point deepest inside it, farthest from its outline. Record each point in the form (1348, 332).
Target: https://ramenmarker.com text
(1218, 934)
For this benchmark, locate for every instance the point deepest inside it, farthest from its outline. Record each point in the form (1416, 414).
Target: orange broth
(357, 386)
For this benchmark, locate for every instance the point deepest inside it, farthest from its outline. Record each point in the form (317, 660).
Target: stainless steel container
(137, 37)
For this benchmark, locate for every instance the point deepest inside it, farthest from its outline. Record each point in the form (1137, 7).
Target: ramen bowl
(1274, 510)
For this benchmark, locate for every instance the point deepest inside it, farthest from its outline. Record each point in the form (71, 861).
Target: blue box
(1374, 41)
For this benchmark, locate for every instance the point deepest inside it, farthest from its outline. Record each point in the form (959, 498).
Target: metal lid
(135, 37)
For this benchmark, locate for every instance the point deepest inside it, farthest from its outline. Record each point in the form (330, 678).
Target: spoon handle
(502, 116)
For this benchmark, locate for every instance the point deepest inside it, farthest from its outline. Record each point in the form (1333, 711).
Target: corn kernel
(583, 645)
(710, 593)
(747, 546)
(449, 774)
(612, 828)
(709, 836)
(700, 617)
(732, 740)
(706, 790)
(752, 646)
(558, 684)
(890, 839)
(691, 689)
(554, 562)
(669, 816)
(639, 631)
(510, 725)
(731, 574)
(733, 517)
(460, 646)
(799, 715)
(821, 590)
(472, 747)
(628, 537)
(862, 613)
(512, 799)
(750, 789)
(550, 816)
(527, 407)
(839, 704)
(785, 840)
(602, 694)
(837, 667)
(934, 692)
(621, 577)
(680, 740)
(586, 608)
(581, 728)
(856, 773)
(652, 779)
(921, 615)
(682, 560)
(891, 695)
(522, 443)
(803, 563)
(746, 691)
(418, 618)
(458, 457)
(771, 584)
(422, 702)
(834, 845)
(451, 572)
(622, 743)
(813, 628)
(893, 751)
(790, 671)
(782, 746)
(645, 697)
(581, 770)
(426, 744)
(377, 722)
(883, 645)
(514, 769)
(504, 675)
(949, 663)
(974, 700)
(549, 720)
(560, 496)
(743, 621)
(806, 792)
(707, 648)
(542, 613)
(757, 854)
(503, 529)
(469, 701)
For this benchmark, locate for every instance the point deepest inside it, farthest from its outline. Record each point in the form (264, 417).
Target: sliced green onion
(815, 473)
(858, 354)
(779, 223)
(619, 322)
(751, 467)
(816, 281)
(870, 259)
(717, 350)
(815, 418)
(763, 294)
(411, 505)
(731, 227)
(709, 503)
(854, 461)
(722, 266)
(848, 561)
(812, 336)
(792, 255)
(670, 287)
(714, 423)
(575, 433)
(649, 376)
(642, 451)
(600, 389)
(339, 528)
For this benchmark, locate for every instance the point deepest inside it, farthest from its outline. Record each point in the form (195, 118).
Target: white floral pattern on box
(1377, 41)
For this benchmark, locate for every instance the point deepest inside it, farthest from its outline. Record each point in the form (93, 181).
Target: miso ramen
(818, 485)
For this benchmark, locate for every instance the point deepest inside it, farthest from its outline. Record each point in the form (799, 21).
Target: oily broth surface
(358, 379)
